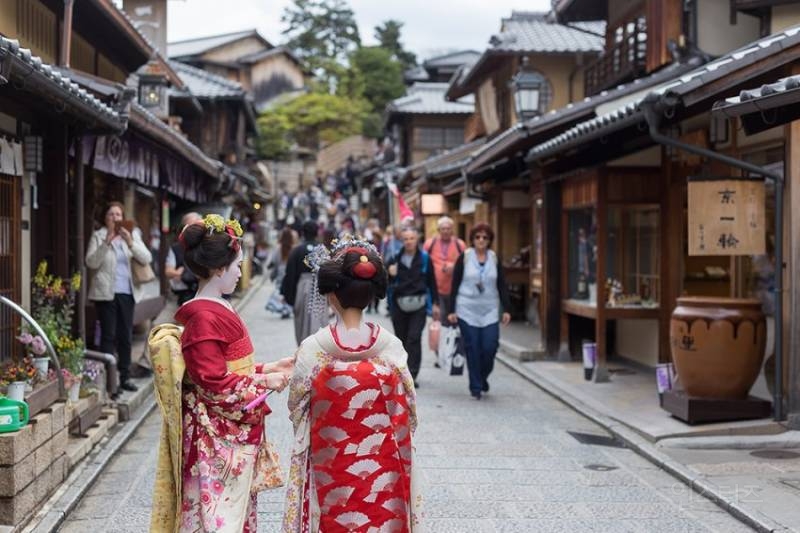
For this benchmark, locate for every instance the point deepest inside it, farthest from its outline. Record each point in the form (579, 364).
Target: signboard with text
(726, 217)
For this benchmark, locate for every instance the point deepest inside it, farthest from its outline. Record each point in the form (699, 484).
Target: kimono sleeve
(300, 388)
(398, 357)
(226, 393)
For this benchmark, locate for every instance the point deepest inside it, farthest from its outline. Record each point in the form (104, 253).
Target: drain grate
(596, 440)
(775, 454)
(600, 468)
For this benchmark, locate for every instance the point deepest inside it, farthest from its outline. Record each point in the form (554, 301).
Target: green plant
(53, 307)
(18, 371)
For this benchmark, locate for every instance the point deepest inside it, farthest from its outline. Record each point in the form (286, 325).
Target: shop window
(10, 222)
(632, 260)
(582, 255)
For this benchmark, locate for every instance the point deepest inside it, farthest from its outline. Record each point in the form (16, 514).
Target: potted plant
(70, 352)
(18, 375)
(36, 349)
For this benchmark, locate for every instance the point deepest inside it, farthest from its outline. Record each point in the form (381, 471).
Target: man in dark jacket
(298, 282)
(181, 280)
(413, 285)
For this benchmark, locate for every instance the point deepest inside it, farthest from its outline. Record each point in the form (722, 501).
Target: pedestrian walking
(213, 456)
(479, 292)
(114, 252)
(182, 281)
(297, 284)
(277, 269)
(413, 286)
(444, 249)
(352, 404)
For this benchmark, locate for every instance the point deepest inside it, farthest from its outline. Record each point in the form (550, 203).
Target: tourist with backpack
(444, 249)
(413, 286)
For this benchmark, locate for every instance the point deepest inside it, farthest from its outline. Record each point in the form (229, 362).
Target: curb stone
(56, 509)
(644, 448)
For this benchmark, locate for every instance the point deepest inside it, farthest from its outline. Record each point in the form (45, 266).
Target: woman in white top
(479, 293)
(111, 287)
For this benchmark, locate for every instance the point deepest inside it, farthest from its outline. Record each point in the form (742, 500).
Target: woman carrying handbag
(118, 262)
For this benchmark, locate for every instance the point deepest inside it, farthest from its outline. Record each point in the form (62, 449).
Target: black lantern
(153, 85)
(528, 86)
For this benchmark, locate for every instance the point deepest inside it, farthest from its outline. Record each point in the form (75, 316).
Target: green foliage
(322, 33)
(388, 37)
(310, 120)
(382, 74)
(372, 125)
(273, 139)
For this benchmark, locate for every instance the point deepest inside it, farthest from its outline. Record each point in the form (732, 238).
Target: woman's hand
(285, 365)
(452, 318)
(506, 318)
(392, 270)
(126, 236)
(277, 381)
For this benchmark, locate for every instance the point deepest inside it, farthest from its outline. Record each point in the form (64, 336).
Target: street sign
(726, 216)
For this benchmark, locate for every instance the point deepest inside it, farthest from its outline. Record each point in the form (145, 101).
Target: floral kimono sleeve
(399, 358)
(224, 393)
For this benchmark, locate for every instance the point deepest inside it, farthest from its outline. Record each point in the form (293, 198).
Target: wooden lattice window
(9, 261)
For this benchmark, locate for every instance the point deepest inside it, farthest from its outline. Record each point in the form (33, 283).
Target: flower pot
(42, 365)
(718, 345)
(74, 392)
(16, 390)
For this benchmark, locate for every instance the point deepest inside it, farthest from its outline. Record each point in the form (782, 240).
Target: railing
(625, 61)
(38, 329)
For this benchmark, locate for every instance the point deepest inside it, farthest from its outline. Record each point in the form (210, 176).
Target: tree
(388, 37)
(382, 75)
(309, 121)
(321, 33)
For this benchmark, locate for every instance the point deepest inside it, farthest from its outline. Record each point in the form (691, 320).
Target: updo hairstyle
(205, 253)
(344, 276)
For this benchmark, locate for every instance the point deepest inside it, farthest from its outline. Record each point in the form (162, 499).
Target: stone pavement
(506, 463)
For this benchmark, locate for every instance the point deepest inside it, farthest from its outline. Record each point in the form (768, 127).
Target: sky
(431, 26)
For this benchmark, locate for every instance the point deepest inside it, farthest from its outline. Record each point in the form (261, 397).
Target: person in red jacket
(444, 249)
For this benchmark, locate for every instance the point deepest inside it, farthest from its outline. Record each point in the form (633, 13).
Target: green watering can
(13, 415)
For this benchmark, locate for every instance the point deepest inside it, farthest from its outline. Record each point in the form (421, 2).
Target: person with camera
(182, 281)
(113, 254)
(478, 294)
(413, 285)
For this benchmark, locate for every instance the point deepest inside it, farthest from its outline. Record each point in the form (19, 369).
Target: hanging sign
(726, 217)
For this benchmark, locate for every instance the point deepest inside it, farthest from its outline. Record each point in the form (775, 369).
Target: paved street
(506, 463)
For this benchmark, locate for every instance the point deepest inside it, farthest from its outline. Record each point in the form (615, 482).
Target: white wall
(637, 340)
(784, 17)
(716, 35)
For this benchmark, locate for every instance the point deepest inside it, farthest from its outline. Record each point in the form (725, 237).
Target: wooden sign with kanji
(726, 217)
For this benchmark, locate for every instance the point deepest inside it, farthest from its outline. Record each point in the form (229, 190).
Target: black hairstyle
(310, 230)
(338, 276)
(205, 253)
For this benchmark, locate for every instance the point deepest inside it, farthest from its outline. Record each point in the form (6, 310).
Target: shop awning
(770, 105)
(521, 137)
(683, 96)
(21, 71)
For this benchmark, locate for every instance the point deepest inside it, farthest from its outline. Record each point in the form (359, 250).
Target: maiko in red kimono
(221, 442)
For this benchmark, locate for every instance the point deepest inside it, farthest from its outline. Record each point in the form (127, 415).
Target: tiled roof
(452, 59)
(205, 84)
(278, 50)
(758, 96)
(192, 47)
(49, 81)
(539, 35)
(679, 87)
(428, 98)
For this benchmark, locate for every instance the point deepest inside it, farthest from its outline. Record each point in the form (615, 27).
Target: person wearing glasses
(478, 295)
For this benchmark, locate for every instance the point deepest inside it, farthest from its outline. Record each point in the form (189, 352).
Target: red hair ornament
(363, 269)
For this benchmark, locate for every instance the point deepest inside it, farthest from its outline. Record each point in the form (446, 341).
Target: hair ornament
(320, 255)
(217, 224)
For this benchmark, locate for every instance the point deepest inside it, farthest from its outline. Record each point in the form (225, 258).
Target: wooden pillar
(791, 280)
(672, 238)
(551, 269)
(51, 221)
(601, 367)
(80, 243)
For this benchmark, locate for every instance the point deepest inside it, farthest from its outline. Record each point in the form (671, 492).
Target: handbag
(448, 339)
(410, 304)
(268, 473)
(434, 332)
(459, 358)
(141, 273)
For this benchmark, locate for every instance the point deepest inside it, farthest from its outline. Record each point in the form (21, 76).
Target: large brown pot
(717, 345)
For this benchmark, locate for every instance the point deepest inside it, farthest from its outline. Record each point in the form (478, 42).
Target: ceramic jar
(717, 345)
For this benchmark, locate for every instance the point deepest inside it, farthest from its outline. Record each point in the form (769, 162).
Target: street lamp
(153, 85)
(528, 86)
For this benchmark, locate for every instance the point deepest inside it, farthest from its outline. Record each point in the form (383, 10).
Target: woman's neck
(351, 317)
(208, 289)
(481, 254)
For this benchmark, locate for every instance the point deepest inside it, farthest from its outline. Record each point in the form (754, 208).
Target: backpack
(433, 243)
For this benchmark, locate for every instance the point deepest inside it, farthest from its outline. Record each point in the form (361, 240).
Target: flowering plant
(91, 371)
(70, 379)
(53, 305)
(34, 345)
(18, 371)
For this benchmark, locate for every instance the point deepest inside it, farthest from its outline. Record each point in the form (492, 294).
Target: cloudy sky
(431, 26)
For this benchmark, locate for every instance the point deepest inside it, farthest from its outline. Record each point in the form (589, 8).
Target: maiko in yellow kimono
(213, 457)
